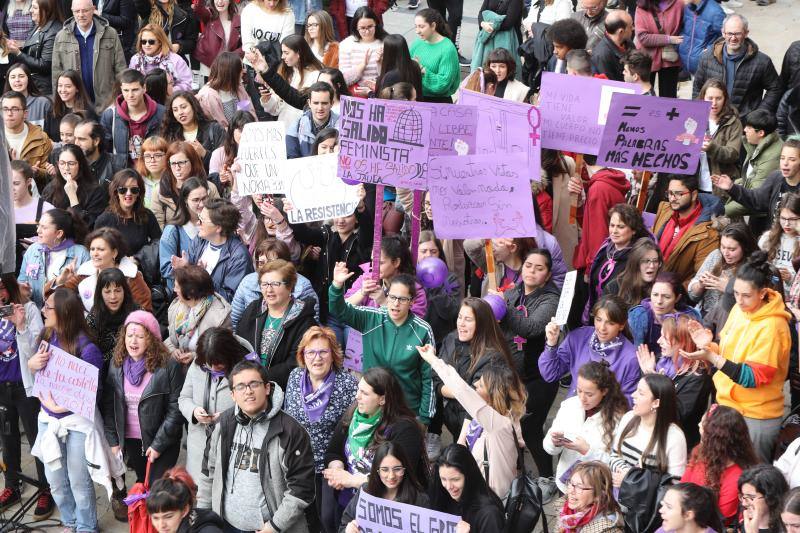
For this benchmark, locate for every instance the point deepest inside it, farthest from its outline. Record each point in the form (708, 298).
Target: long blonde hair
(157, 16)
(160, 35)
(507, 394)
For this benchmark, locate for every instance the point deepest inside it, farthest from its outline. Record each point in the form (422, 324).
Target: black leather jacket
(37, 54)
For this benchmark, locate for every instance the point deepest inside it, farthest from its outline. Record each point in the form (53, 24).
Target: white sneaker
(433, 445)
(734, 3)
(549, 489)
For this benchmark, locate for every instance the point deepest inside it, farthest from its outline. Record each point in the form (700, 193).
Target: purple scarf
(134, 370)
(63, 245)
(219, 374)
(474, 431)
(315, 401)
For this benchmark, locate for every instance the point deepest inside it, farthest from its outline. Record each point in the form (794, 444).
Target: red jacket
(338, 10)
(728, 500)
(212, 41)
(652, 41)
(607, 188)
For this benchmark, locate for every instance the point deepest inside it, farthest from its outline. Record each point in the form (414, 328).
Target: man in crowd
(579, 63)
(301, 134)
(26, 141)
(636, 69)
(683, 226)
(89, 138)
(592, 17)
(566, 34)
(133, 118)
(89, 45)
(790, 68)
(749, 74)
(260, 464)
(607, 54)
(702, 25)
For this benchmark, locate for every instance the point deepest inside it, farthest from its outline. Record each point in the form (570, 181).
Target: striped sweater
(630, 453)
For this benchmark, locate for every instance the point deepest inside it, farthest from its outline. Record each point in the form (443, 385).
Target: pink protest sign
(354, 350)
(507, 127)
(454, 129)
(71, 381)
(574, 110)
(481, 196)
(375, 514)
(383, 142)
(655, 134)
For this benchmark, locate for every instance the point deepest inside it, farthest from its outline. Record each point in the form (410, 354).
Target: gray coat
(217, 315)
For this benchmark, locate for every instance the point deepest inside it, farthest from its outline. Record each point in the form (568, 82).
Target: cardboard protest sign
(315, 191)
(574, 110)
(378, 515)
(383, 142)
(655, 134)
(481, 196)
(507, 127)
(354, 350)
(262, 145)
(454, 129)
(71, 381)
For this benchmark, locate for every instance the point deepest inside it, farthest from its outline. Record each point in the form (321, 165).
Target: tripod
(16, 521)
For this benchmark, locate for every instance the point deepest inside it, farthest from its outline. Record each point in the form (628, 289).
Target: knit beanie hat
(145, 319)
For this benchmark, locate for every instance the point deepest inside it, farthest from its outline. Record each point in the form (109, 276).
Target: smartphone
(6, 310)
(568, 437)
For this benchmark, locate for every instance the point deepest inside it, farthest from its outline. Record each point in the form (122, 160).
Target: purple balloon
(350, 182)
(432, 272)
(498, 305)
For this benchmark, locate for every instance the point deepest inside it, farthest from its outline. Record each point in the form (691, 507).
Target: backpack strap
(39, 208)
(485, 463)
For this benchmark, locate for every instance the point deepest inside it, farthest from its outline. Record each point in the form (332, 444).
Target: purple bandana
(134, 370)
(474, 431)
(219, 374)
(315, 401)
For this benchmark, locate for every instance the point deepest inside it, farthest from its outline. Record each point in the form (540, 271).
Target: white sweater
(258, 25)
(789, 464)
(635, 443)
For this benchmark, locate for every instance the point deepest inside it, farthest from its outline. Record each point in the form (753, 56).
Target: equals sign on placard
(631, 110)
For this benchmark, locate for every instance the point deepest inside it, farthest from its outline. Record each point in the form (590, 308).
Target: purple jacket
(574, 352)
(419, 306)
(173, 64)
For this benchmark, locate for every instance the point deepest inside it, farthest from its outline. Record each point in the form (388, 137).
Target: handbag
(790, 430)
(640, 494)
(138, 519)
(668, 52)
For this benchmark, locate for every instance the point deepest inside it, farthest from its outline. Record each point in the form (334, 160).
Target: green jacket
(392, 347)
(486, 42)
(764, 158)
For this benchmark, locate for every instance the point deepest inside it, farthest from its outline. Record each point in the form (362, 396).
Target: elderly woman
(590, 502)
(319, 392)
(196, 309)
(275, 324)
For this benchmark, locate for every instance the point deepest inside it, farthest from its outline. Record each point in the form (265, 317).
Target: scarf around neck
(48, 250)
(571, 521)
(134, 370)
(669, 239)
(187, 319)
(602, 347)
(361, 431)
(315, 401)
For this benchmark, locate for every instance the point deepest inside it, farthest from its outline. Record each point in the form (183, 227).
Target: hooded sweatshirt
(137, 129)
(758, 343)
(607, 188)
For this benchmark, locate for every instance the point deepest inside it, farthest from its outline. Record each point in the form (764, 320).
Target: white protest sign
(262, 146)
(567, 294)
(71, 381)
(315, 191)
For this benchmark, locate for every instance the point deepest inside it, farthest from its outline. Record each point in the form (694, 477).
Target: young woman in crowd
(753, 353)
(643, 265)
(761, 492)
(205, 393)
(396, 65)
(269, 222)
(224, 95)
(69, 97)
(335, 78)
(75, 187)
(606, 341)
(22, 325)
(275, 324)
(590, 503)
(392, 478)
(27, 212)
(71, 484)
(723, 138)
(736, 244)
(151, 166)
(458, 488)
(171, 505)
(658, 32)
(790, 515)
(599, 404)
(437, 57)
(781, 241)
(266, 20)
(107, 249)
(649, 434)
(221, 163)
(39, 109)
(379, 414)
(326, 142)
(146, 380)
(718, 460)
(300, 69)
(127, 213)
(195, 309)
(159, 85)
(184, 120)
(360, 53)
(443, 302)
(502, 63)
(689, 507)
(37, 51)
(321, 38)
(177, 238)
(318, 392)
(222, 32)
(176, 21)
(153, 51)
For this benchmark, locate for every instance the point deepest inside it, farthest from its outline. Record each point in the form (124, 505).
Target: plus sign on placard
(673, 113)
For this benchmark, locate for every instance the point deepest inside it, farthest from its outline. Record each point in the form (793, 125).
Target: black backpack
(536, 51)
(640, 493)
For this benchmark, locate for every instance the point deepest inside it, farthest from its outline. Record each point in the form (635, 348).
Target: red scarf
(572, 521)
(669, 240)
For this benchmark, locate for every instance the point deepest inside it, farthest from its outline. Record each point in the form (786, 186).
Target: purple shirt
(89, 353)
(9, 356)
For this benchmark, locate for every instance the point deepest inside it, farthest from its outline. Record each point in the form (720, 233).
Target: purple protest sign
(649, 220)
(505, 126)
(454, 129)
(655, 134)
(574, 110)
(383, 142)
(481, 196)
(376, 514)
(354, 350)
(71, 381)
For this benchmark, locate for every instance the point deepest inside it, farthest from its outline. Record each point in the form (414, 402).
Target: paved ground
(771, 27)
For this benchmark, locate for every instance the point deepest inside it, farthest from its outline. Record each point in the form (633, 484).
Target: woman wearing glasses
(360, 53)
(590, 503)
(178, 237)
(761, 492)
(74, 186)
(127, 213)
(151, 165)
(275, 324)
(153, 51)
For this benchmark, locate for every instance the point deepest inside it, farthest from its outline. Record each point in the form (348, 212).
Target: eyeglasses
(677, 194)
(151, 42)
(158, 156)
(252, 386)
(397, 470)
(273, 284)
(734, 34)
(312, 25)
(82, 11)
(12, 110)
(792, 220)
(366, 28)
(650, 262)
(48, 307)
(68, 163)
(312, 355)
(575, 487)
(399, 299)
(124, 190)
(178, 164)
(749, 498)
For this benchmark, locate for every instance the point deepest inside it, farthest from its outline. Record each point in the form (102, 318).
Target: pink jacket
(211, 103)
(173, 63)
(652, 41)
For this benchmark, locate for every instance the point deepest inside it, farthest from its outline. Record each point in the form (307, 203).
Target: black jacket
(692, 392)
(443, 305)
(106, 166)
(298, 318)
(754, 75)
(762, 200)
(121, 15)
(201, 521)
(159, 418)
(789, 113)
(483, 516)
(184, 29)
(211, 135)
(92, 202)
(37, 54)
(607, 59)
(790, 68)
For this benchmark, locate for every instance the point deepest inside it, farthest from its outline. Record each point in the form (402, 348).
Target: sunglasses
(151, 42)
(124, 190)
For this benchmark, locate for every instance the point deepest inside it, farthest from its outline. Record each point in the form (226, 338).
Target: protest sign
(655, 134)
(262, 145)
(354, 350)
(376, 515)
(71, 381)
(507, 127)
(649, 220)
(574, 110)
(481, 196)
(567, 294)
(383, 142)
(454, 129)
(315, 191)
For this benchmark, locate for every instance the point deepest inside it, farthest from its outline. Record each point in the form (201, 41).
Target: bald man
(89, 45)
(607, 54)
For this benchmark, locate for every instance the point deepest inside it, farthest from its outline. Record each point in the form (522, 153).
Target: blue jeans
(72, 487)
